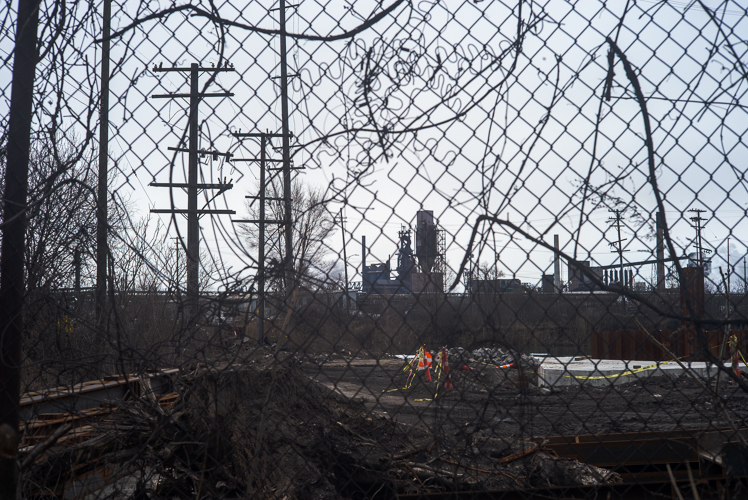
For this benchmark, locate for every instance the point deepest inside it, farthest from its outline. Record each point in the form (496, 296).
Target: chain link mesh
(516, 266)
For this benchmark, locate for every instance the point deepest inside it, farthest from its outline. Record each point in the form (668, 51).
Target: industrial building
(416, 272)
(579, 281)
(494, 286)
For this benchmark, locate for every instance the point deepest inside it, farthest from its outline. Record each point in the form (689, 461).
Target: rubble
(261, 428)
(493, 355)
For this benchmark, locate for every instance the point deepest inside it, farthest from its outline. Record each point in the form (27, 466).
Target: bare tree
(489, 271)
(312, 226)
(60, 229)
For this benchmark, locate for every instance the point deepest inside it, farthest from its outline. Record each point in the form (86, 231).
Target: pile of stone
(492, 355)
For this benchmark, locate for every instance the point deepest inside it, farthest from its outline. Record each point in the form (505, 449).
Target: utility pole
(618, 244)
(176, 253)
(700, 250)
(660, 223)
(77, 265)
(556, 264)
(345, 262)
(264, 139)
(286, 135)
(618, 248)
(192, 186)
(101, 199)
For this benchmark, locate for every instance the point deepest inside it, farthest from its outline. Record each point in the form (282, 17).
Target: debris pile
(494, 356)
(260, 428)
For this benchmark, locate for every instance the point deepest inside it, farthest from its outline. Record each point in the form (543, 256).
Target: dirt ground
(253, 423)
(489, 399)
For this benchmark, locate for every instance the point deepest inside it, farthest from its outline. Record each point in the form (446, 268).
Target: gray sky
(439, 109)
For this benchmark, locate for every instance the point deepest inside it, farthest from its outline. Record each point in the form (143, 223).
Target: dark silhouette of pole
(12, 287)
(261, 222)
(193, 213)
(700, 250)
(364, 274)
(618, 244)
(176, 254)
(193, 223)
(77, 266)
(102, 195)
(261, 250)
(556, 265)
(660, 223)
(618, 248)
(286, 155)
(345, 262)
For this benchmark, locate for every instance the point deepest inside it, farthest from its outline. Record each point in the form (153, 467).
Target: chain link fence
(374, 249)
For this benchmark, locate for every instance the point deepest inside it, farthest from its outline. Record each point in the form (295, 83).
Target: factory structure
(419, 271)
(579, 281)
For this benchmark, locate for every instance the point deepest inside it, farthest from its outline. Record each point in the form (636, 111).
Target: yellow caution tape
(616, 375)
(410, 382)
(495, 366)
(733, 342)
(631, 372)
(438, 371)
(418, 356)
(410, 365)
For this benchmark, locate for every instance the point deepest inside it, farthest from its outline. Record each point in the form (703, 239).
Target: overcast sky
(452, 107)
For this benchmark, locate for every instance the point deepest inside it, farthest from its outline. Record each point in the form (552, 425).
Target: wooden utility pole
(176, 255)
(345, 262)
(192, 186)
(263, 160)
(660, 223)
(102, 195)
(700, 250)
(556, 264)
(618, 248)
(618, 244)
(286, 135)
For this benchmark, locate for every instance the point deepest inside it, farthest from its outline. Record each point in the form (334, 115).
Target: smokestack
(556, 265)
(660, 252)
